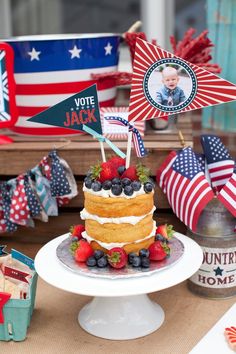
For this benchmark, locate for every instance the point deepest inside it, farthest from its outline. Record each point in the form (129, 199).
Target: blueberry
(98, 254)
(136, 261)
(88, 182)
(128, 190)
(116, 189)
(107, 185)
(96, 186)
(91, 262)
(102, 262)
(159, 237)
(74, 239)
(148, 187)
(144, 252)
(151, 181)
(145, 262)
(136, 185)
(116, 180)
(125, 182)
(131, 255)
(121, 170)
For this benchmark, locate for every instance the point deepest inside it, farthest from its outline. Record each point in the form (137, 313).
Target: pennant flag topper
(74, 112)
(163, 83)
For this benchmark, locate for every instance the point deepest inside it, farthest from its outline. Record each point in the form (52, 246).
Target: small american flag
(219, 162)
(185, 185)
(227, 195)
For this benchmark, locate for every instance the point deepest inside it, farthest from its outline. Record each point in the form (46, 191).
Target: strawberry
(83, 251)
(117, 257)
(104, 171)
(130, 173)
(117, 161)
(158, 251)
(165, 230)
(76, 231)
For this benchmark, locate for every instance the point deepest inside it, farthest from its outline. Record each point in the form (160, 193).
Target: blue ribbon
(103, 139)
(136, 136)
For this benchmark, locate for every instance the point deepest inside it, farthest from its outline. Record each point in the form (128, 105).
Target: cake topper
(163, 83)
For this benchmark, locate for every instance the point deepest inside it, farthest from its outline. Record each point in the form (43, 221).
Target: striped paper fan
(117, 132)
(204, 88)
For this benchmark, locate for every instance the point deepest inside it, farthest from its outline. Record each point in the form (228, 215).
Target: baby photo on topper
(163, 83)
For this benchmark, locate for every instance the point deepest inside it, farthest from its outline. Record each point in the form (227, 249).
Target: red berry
(117, 257)
(165, 230)
(108, 172)
(76, 231)
(158, 251)
(83, 251)
(130, 173)
(117, 161)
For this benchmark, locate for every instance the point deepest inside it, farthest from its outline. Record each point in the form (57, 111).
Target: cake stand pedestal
(120, 309)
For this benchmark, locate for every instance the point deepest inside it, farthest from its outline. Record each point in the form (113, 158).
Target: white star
(108, 48)
(75, 52)
(34, 55)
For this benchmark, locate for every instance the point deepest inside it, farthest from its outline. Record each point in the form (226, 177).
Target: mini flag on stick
(185, 185)
(75, 111)
(136, 136)
(227, 195)
(219, 162)
(163, 83)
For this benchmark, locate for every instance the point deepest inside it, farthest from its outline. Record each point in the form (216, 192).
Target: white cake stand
(120, 309)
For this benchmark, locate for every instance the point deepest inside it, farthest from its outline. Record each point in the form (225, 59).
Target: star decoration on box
(108, 49)
(34, 55)
(75, 52)
(218, 271)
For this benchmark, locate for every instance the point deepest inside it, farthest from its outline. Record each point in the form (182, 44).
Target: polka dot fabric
(45, 167)
(6, 206)
(59, 183)
(2, 220)
(33, 203)
(19, 211)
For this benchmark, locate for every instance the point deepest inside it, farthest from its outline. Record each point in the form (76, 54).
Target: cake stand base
(121, 318)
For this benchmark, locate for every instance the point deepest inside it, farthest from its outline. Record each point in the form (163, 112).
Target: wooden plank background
(81, 152)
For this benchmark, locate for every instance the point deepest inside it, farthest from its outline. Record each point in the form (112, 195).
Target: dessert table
(120, 309)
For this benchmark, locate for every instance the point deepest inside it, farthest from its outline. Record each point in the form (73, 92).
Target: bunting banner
(74, 112)
(164, 84)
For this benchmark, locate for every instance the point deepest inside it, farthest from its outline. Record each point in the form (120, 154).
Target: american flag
(185, 185)
(136, 136)
(227, 195)
(48, 71)
(219, 162)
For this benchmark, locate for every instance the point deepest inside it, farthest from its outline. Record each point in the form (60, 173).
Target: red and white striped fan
(118, 132)
(207, 89)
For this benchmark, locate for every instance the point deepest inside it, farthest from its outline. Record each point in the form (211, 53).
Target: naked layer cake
(119, 206)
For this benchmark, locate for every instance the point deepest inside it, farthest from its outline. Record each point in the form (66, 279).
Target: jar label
(218, 269)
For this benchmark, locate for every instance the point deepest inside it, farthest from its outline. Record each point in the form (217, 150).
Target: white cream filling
(133, 220)
(108, 246)
(106, 194)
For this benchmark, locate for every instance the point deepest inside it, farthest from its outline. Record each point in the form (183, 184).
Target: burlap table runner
(54, 327)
